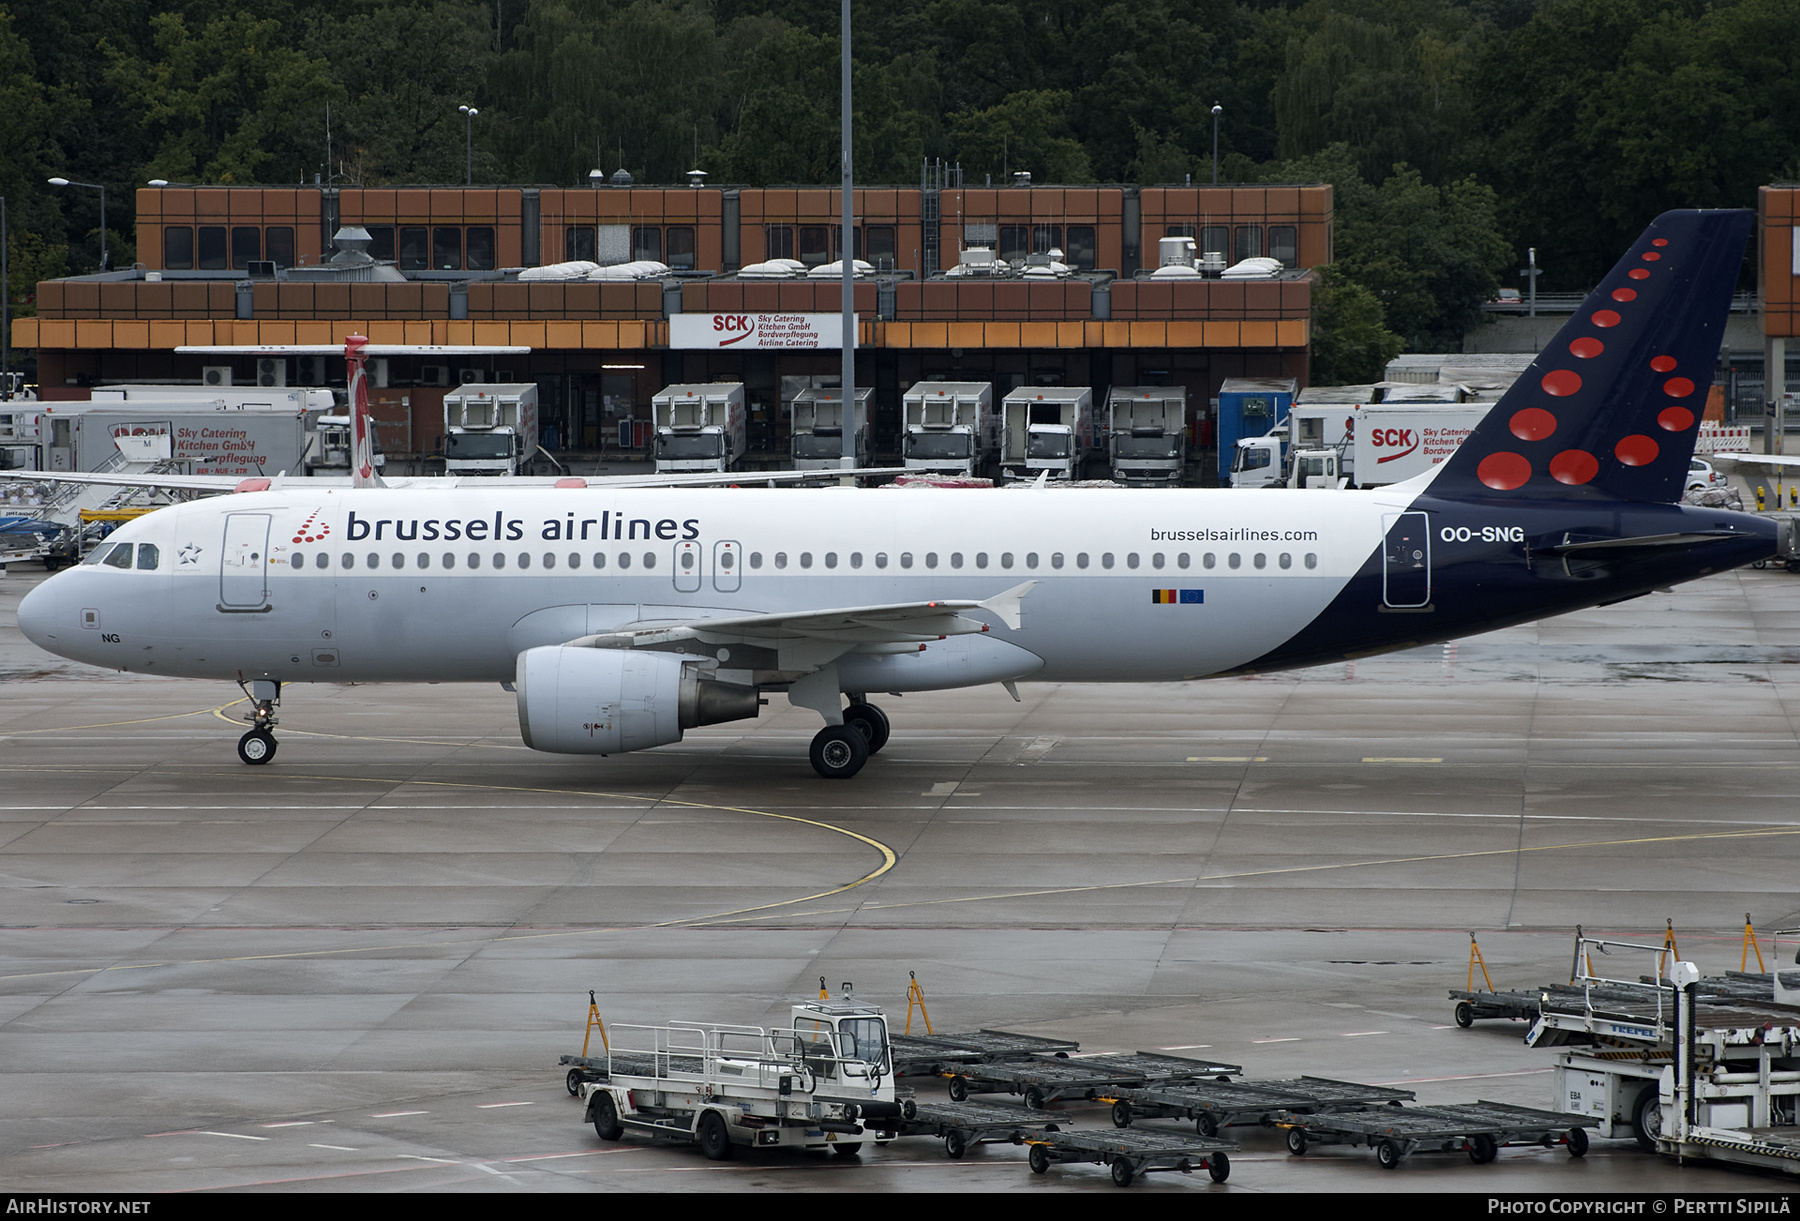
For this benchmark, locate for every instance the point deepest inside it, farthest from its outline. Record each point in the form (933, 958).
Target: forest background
(1456, 134)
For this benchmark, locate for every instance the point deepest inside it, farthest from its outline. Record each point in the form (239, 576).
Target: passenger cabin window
(178, 248)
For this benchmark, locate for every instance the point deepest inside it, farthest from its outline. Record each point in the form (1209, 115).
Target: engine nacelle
(576, 701)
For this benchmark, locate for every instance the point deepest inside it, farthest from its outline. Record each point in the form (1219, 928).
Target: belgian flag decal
(1174, 597)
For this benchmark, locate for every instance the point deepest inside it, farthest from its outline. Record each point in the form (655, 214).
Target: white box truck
(491, 428)
(818, 437)
(207, 439)
(1355, 445)
(699, 427)
(1148, 427)
(1046, 429)
(951, 428)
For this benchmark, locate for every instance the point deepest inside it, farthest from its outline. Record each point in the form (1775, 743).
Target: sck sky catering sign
(756, 332)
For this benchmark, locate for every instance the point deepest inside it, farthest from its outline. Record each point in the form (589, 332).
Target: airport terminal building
(618, 290)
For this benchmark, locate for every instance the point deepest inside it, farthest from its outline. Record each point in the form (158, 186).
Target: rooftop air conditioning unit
(311, 370)
(271, 371)
(377, 371)
(216, 375)
(466, 377)
(434, 375)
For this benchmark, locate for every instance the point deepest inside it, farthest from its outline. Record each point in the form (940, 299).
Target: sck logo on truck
(1387, 438)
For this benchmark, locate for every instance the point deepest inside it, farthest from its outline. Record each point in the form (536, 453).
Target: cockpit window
(100, 553)
(148, 556)
(119, 556)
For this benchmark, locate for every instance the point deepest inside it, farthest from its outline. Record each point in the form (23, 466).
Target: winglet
(1006, 605)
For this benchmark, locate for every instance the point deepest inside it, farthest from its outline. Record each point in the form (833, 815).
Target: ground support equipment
(1131, 1153)
(1479, 1129)
(1042, 1080)
(1475, 1006)
(1213, 1105)
(962, 1125)
(919, 1055)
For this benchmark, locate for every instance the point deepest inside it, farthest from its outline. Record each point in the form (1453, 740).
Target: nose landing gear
(258, 745)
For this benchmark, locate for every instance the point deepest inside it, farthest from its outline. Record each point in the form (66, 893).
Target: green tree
(1350, 339)
(1027, 131)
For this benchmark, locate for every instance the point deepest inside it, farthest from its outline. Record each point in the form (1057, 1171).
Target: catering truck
(205, 438)
(1336, 445)
(818, 438)
(699, 427)
(491, 428)
(1148, 427)
(1046, 430)
(951, 427)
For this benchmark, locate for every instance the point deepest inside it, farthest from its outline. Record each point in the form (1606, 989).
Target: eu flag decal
(1173, 597)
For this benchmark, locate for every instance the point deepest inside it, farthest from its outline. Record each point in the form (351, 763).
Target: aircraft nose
(38, 617)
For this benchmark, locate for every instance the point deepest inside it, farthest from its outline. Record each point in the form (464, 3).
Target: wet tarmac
(354, 969)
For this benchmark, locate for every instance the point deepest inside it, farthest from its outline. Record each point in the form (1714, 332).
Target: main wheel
(714, 1140)
(1219, 1166)
(871, 722)
(839, 752)
(1578, 1142)
(955, 1145)
(1039, 1157)
(1034, 1098)
(959, 1089)
(1206, 1124)
(1646, 1118)
(1121, 1115)
(1388, 1154)
(573, 1081)
(1465, 1014)
(606, 1119)
(256, 747)
(1296, 1139)
(1483, 1149)
(1122, 1172)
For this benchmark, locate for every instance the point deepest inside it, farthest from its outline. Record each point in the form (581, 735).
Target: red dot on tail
(1574, 466)
(1532, 424)
(1678, 387)
(1605, 318)
(1561, 382)
(1504, 471)
(1639, 273)
(1587, 347)
(1636, 450)
(1675, 419)
(1624, 294)
(1659, 241)
(1650, 256)
(1662, 364)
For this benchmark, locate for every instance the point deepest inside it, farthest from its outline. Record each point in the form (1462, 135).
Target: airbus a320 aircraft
(624, 617)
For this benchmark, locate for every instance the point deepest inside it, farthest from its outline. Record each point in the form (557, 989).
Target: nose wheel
(257, 746)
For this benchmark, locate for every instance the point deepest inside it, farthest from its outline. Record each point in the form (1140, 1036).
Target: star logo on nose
(190, 553)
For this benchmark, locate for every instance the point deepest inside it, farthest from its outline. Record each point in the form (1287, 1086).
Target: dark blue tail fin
(1610, 408)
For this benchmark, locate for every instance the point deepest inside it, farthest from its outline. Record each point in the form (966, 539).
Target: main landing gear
(258, 745)
(839, 751)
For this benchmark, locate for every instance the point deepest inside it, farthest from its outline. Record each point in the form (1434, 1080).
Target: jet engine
(580, 701)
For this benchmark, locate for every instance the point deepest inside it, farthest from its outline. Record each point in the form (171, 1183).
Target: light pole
(5, 310)
(847, 253)
(468, 114)
(92, 186)
(1217, 111)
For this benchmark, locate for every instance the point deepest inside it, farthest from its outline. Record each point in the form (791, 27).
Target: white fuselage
(341, 585)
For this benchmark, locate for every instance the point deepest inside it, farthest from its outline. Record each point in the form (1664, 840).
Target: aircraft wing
(808, 639)
(1760, 464)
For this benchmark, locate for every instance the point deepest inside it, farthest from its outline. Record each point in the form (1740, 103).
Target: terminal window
(481, 256)
(1080, 252)
(578, 243)
(278, 245)
(778, 241)
(815, 245)
(212, 248)
(414, 248)
(178, 248)
(682, 256)
(381, 242)
(646, 243)
(882, 250)
(1284, 244)
(1215, 239)
(246, 246)
(446, 248)
(1247, 243)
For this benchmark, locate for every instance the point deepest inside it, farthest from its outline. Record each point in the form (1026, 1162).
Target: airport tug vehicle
(824, 1082)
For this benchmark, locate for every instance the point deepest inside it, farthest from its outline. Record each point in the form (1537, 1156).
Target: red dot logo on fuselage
(312, 530)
